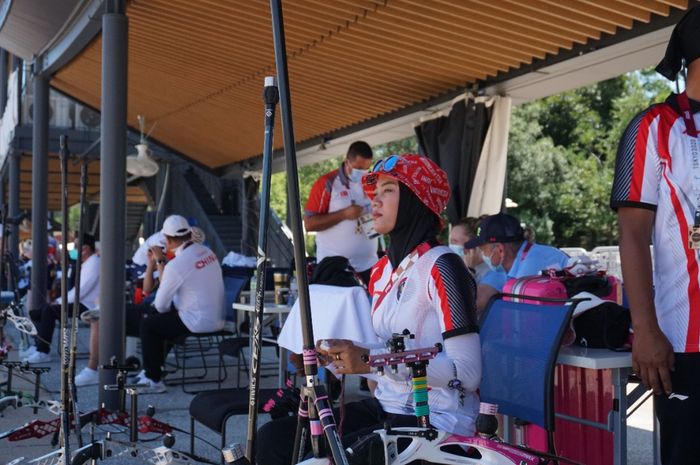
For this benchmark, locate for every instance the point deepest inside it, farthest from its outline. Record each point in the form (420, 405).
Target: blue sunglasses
(387, 164)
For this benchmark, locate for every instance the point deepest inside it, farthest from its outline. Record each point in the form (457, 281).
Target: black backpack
(603, 327)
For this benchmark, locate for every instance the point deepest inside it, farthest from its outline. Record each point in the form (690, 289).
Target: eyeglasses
(386, 164)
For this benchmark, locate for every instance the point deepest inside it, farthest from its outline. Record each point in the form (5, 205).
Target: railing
(608, 256)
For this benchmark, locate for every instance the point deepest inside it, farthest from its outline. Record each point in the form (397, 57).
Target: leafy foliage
(561, 157)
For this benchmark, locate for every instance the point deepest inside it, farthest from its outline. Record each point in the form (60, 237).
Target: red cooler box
(578, 392)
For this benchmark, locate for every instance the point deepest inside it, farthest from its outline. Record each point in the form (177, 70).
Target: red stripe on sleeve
(640, 154)
(444, 302)
(320, 196)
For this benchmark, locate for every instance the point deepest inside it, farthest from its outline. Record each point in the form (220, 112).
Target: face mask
(489, 263)
(458, 249)
(356, 175)
(73, 254)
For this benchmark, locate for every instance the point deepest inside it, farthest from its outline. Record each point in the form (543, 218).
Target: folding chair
(203, 343)
(519, 346)
(214, 408)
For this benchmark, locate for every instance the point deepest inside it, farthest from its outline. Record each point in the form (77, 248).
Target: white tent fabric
(487, 193)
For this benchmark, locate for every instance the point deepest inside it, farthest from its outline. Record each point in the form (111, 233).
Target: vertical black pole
(73, 352)
(320, 401)
(40, 178)
(65, 394)
(113, 192)
(271, 97)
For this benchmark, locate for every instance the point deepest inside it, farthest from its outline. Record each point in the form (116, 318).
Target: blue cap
(497, 228)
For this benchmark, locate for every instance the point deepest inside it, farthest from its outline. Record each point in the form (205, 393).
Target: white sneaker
(27, 352)
(139, 377)
(38, 357)
(87, 377)
(154, 387)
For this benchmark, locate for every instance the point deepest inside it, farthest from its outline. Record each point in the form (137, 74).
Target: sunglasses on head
(386, 164)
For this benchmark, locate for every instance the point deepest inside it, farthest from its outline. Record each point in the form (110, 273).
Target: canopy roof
(197, 68)
(134, 194)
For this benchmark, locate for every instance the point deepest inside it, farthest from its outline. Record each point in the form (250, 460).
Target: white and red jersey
(332, 192)
(194, 284)
(434, 298)
(654, 170)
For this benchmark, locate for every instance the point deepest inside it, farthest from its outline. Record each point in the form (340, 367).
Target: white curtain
(487, 192)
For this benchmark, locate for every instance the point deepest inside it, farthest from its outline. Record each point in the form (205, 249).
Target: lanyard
(692, 132)
(403, 267)
(527, 248)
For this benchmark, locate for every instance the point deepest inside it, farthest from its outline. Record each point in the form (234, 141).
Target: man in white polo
(339, 211)
(190, 298)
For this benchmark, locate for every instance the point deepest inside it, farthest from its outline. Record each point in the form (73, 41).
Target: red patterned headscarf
(420, 174)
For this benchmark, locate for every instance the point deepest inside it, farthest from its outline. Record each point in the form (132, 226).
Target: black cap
(497, 228)
(684, 44)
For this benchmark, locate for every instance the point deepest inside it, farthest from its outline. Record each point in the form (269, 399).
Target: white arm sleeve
(460, 359)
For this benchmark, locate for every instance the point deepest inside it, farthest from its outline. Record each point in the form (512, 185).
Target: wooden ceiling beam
(653, 6)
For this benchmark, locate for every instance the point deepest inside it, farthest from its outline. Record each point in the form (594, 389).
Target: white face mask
(458, 249)
(489, 263)
(356, 175)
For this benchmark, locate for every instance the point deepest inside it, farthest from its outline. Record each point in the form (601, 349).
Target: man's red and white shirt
(654, 170)
(332, 192)
(434, 298)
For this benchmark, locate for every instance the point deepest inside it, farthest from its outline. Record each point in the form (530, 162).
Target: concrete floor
(172, 408)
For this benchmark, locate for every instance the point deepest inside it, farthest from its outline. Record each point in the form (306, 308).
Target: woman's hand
(345, 356)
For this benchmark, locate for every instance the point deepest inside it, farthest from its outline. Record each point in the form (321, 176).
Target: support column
(40, 180)
(13, 201)
(3, 80)
(113, 191)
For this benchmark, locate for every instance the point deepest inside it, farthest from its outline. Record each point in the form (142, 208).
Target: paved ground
(172, 408)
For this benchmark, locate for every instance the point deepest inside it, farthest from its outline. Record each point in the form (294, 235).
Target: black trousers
(156, 329)
(679, 416)
(276, 438)
(45, 321)
(134, 314)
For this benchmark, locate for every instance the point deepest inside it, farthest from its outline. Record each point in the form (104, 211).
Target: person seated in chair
(501, 241)
(421, 286)
(45, 318)
(190, 298)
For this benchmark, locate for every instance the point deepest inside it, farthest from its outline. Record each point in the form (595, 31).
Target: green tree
(561, 157)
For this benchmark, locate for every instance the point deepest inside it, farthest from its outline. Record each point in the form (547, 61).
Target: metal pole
(76, 297)
(115, 27)
(3, 80)
(271, 97)
(317, 401)
(65, 342)
(40, 180)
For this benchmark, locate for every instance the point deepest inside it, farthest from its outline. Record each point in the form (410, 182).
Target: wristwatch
(161, 261)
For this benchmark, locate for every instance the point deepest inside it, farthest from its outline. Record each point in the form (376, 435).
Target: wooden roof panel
(134, 194)
(197, 68)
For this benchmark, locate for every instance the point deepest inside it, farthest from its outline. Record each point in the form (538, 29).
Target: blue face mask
(490, 265)
(73, 254)
(458, 249)
(356, 175)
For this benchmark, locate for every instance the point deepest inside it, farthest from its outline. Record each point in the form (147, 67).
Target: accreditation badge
(694, 237)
